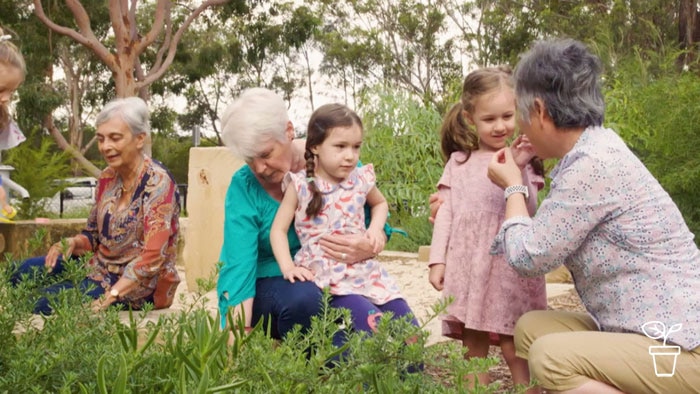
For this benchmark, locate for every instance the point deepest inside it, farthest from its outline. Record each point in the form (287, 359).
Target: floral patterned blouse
(341, 212)
(138, 241)
(610, 222)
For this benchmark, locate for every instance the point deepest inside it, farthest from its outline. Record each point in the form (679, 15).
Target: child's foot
(8, 213)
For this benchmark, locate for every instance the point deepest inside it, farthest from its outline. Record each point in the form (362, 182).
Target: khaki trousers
(566, 349)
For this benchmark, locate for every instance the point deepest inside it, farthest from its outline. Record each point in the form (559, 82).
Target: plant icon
(657, 330)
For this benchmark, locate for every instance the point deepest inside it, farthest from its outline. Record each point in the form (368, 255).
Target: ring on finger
(343, 256)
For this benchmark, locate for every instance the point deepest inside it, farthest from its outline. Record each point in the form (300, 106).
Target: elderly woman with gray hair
(256, 127)
(132, 229)
(609, 221)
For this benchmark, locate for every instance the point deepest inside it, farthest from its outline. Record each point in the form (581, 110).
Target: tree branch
(155, 74)
(166, 42)
(87, 38)
(162, 9)
(118, 12)
(70, 149)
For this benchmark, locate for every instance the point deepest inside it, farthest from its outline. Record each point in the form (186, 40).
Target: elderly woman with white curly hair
(256, 127)
(133, 227)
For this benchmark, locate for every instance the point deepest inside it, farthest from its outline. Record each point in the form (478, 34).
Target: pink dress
(488, 294)
(342, 213)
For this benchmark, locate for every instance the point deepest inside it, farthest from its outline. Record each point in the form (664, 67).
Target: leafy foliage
(186, 351)
(36, 164)
(402, 141)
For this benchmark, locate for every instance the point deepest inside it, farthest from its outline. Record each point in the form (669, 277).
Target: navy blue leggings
(283, 304)
(35, 266)
(365, 315)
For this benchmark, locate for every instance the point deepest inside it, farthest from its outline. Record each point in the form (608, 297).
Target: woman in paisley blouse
(132, 229)
(609, 221)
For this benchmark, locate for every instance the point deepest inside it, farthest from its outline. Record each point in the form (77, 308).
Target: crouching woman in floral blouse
(132, 229)
(633, 259)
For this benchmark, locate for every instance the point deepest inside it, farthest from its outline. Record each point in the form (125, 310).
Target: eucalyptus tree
(492, 31)
(497, 31)
(47, 55)
(117, 34)
(261, 44)
(401, 44)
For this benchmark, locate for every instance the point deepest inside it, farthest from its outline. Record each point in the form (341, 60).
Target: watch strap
(510, 190)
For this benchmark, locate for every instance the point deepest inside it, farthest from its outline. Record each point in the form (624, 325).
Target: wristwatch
(516, 189)
(114, 293)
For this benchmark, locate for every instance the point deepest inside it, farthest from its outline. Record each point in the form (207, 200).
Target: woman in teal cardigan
(256, 127)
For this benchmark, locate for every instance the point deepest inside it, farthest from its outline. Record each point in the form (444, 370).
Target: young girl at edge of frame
(328, 198)
(489, 296)
(12, 73)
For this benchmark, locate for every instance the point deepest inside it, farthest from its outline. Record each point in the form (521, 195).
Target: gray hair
(132, 110)
(256, 116)
(566, 76)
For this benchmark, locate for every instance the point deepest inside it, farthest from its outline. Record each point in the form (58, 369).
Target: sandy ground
(409, 272)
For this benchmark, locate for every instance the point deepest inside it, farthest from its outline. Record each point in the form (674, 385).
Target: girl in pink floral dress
(329, 198)
(489, 296)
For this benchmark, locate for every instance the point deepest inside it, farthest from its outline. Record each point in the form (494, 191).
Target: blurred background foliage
(399, 63)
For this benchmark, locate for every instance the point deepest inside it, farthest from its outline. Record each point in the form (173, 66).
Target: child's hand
(437, 276)
(297, 272)
(377, 239)
(522, 151)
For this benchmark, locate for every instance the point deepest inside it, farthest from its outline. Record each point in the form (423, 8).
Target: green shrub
(37, 165)
(186, 351)
(402, 141)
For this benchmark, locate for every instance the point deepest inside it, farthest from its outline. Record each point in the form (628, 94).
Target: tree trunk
(90, 168)
(688, 31)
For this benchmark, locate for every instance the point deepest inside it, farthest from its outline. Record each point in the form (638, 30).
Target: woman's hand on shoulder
(348, 248)
(297, 273)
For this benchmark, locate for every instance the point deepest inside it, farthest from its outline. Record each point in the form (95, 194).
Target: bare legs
(477, 343)
(519, 370)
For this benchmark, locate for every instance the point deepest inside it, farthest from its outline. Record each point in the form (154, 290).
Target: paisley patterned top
(138, 241)
(342, 212)
(611, 223)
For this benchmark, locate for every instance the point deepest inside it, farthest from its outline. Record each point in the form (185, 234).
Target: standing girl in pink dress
(329, 198)
(489, 296)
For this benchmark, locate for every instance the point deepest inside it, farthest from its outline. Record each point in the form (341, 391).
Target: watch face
(114, 292)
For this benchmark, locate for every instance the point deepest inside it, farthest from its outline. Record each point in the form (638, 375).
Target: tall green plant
(402, 141)
(37, 164)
